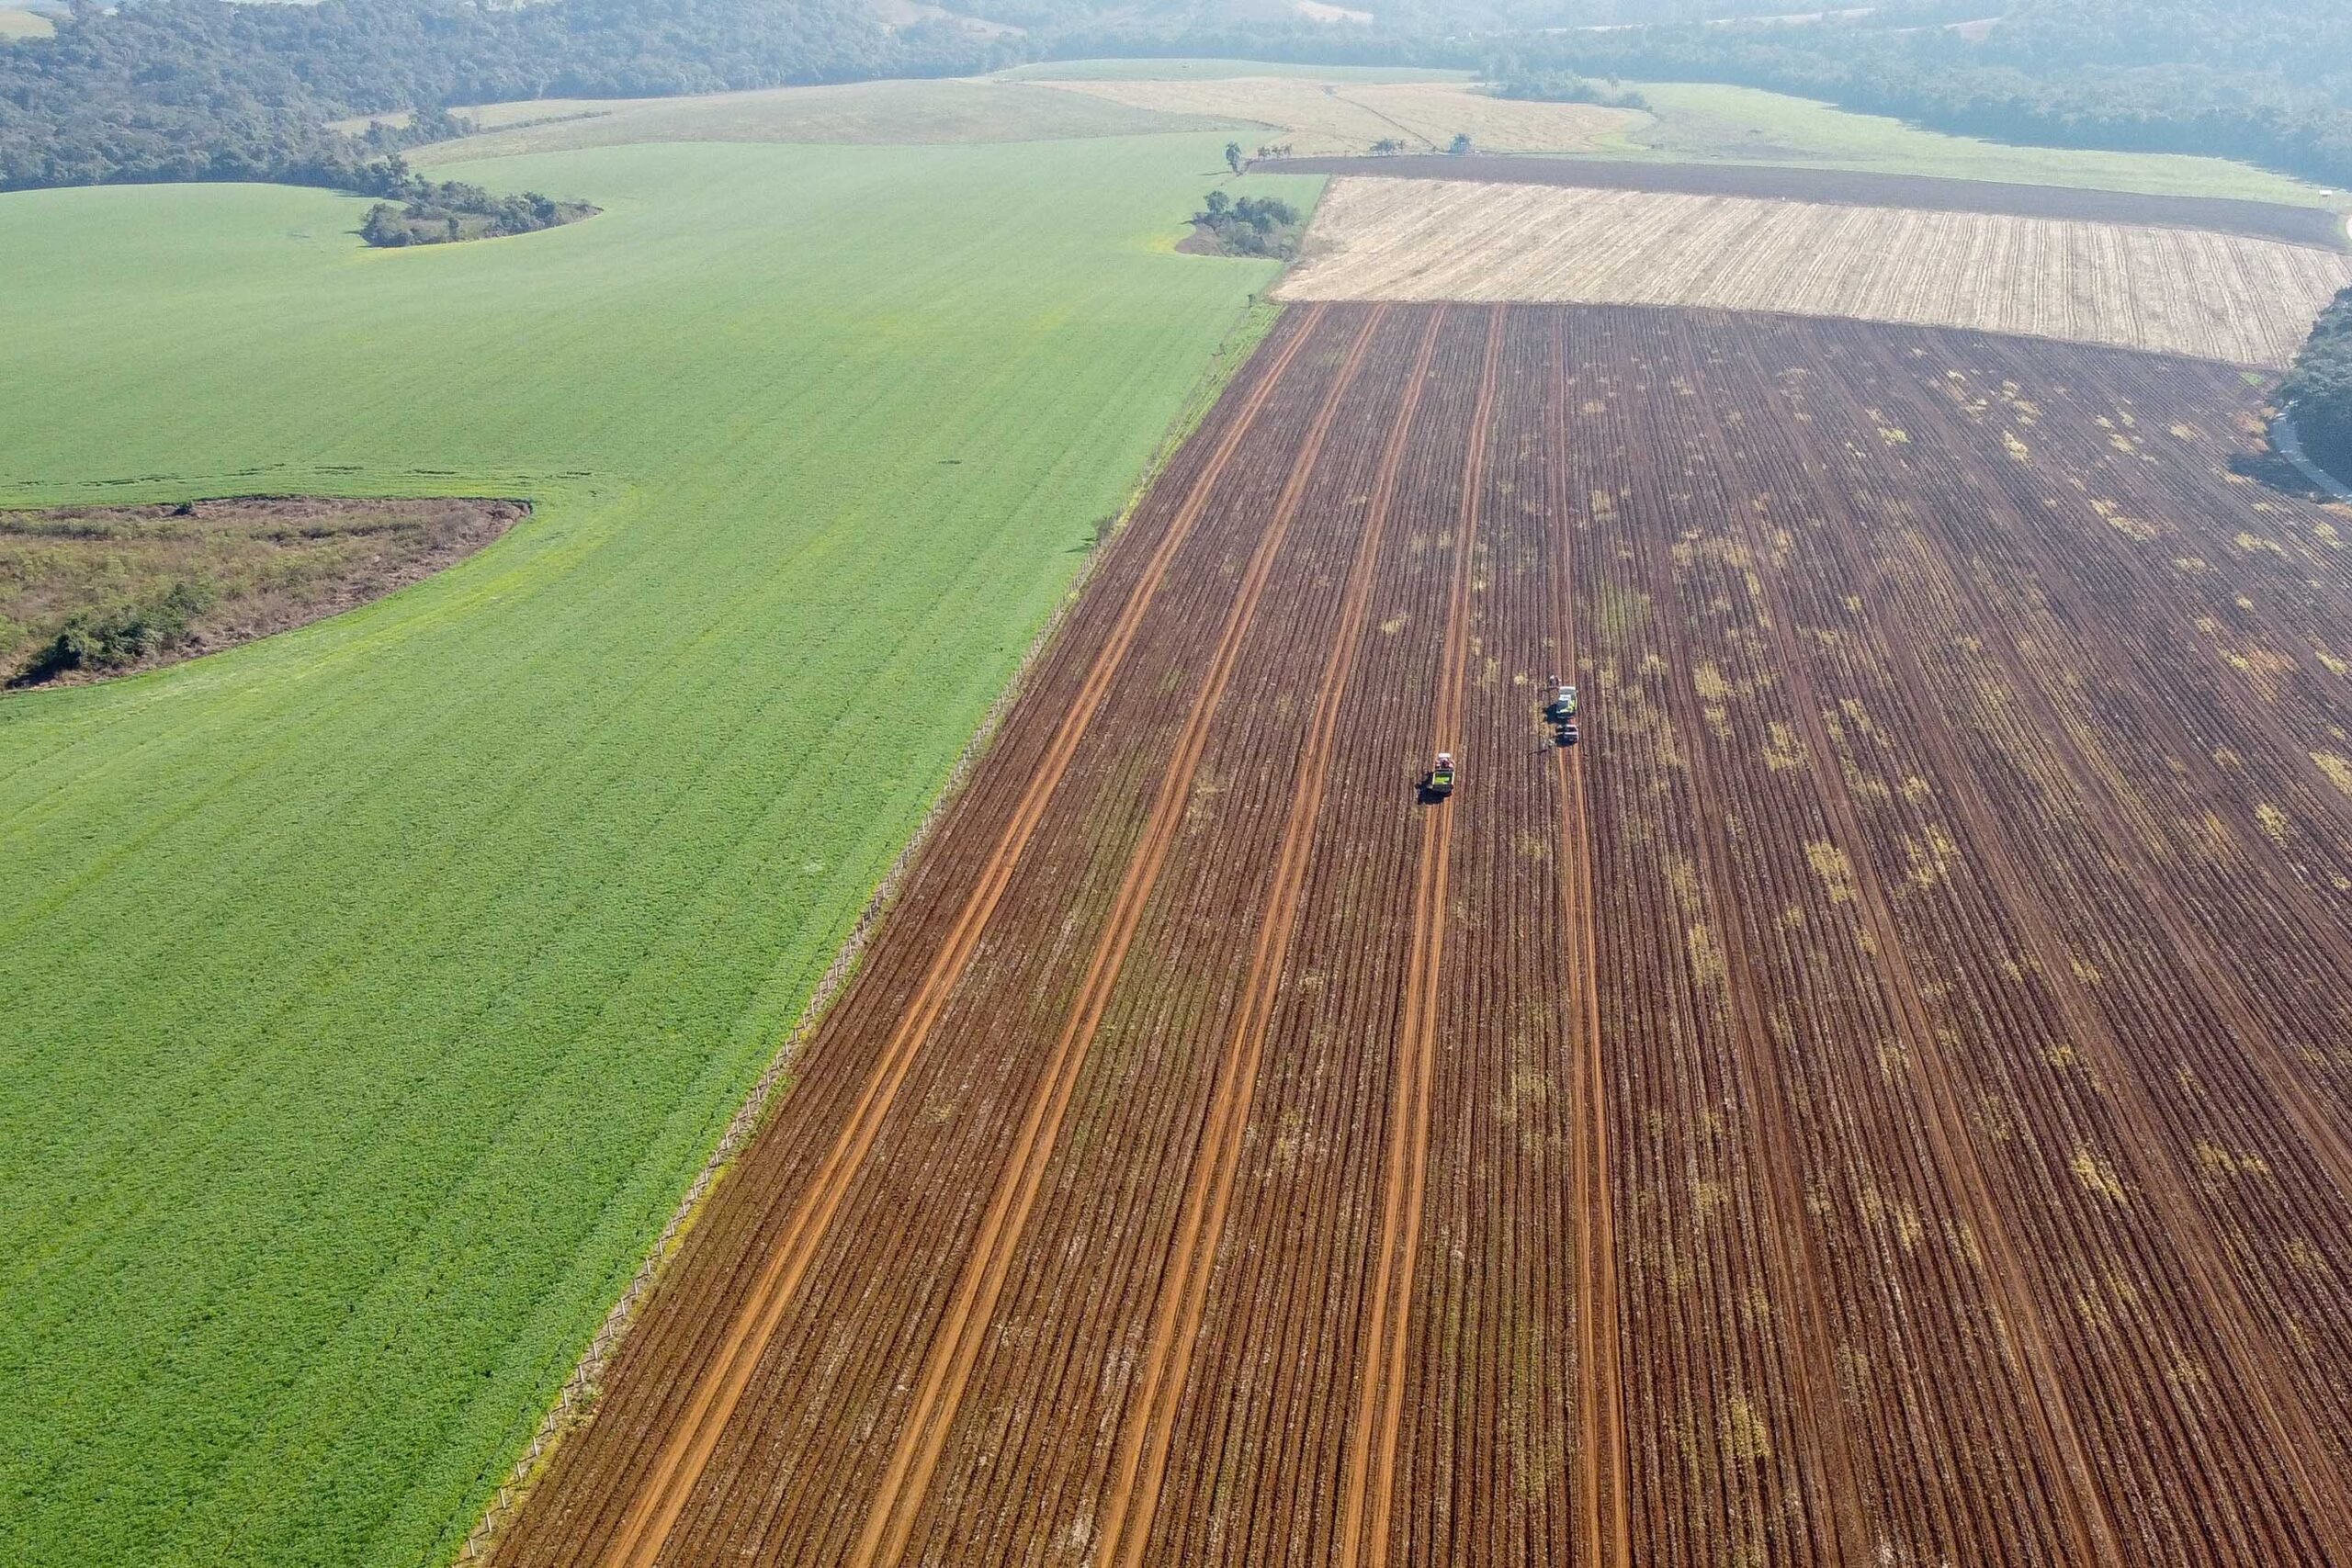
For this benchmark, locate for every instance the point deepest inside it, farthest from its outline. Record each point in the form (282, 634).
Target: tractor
(1438, 783)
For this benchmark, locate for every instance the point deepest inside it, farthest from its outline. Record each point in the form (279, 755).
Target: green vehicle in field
(1439, 782)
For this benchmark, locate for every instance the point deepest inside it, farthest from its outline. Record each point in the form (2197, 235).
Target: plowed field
(1883, 1099)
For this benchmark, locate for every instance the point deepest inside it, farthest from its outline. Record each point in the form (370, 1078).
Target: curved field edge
(377, 990)
(104, 592)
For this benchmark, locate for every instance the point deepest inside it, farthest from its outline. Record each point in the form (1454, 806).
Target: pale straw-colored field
(2222, 297)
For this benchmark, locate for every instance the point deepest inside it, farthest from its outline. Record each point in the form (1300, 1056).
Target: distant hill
(204, 89)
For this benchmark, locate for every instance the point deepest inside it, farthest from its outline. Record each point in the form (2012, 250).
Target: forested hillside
(2321, 390)
(203, 89)
(2267, 81)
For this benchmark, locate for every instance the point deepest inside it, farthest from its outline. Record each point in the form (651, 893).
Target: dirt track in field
(1882, 1098)
(2315, 226)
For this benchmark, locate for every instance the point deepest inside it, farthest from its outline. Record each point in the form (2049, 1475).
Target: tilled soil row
(1882, 1098)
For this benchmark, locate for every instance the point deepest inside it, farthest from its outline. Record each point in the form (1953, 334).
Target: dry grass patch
(88, 591)
(2225, 296)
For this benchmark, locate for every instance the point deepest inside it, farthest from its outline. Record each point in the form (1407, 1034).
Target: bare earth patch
(87, 592)
(2225, 296)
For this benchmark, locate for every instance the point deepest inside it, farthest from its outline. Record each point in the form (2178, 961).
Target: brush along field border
(2214, 296)
(1861, 1101)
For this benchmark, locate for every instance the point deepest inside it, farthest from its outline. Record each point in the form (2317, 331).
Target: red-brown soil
(2263, 220)
(1884, 1096)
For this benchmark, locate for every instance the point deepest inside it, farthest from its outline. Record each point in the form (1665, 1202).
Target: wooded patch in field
(1879, 1098)
(2215, 295)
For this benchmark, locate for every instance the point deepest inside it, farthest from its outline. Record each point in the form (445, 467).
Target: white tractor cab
(1564, 704)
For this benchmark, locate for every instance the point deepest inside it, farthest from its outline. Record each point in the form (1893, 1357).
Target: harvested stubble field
(2318, 226)
(2226, 297)
(1881, 1100)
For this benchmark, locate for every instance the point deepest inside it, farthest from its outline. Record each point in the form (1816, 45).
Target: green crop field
(369, 994)
(893, 112)
(1706, 123)
(1699, 123)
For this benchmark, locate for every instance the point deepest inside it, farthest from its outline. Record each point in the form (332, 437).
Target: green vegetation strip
(373, 991)
(1703, 122)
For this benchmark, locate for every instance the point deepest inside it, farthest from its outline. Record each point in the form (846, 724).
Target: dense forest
(2321, 390)
(204, 89)
(2267, 81)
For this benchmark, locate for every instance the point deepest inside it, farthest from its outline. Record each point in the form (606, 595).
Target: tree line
(2320, 388)
(2265, 81)
(207, 89)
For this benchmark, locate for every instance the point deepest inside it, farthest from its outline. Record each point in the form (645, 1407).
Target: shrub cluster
(1254, 226)
(117, 638)
(1512, 80)
(436, 214)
